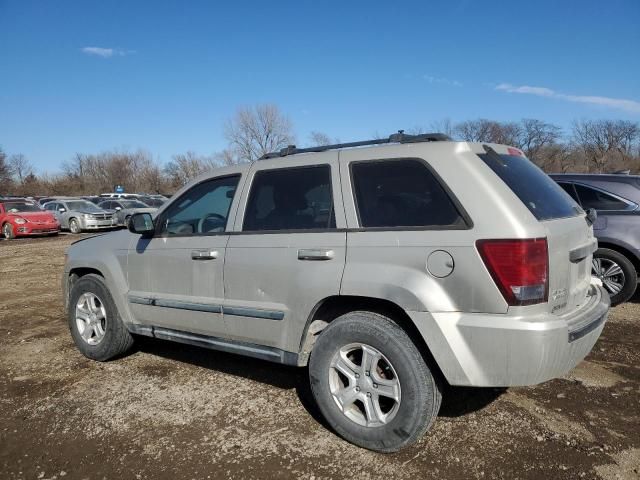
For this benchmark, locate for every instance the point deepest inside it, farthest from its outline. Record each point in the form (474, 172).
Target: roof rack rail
(399, 137)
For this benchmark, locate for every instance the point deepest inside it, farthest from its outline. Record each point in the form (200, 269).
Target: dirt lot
(172, 411)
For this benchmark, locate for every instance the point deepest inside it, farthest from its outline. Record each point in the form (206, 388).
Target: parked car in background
(19, 218)
(123, 208)
(42, 201)
(155, 201)
(78, 215)
(388, 271)
(617, 200)
(93, 199)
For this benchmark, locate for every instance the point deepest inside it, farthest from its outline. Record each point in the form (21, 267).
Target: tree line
(597, 146)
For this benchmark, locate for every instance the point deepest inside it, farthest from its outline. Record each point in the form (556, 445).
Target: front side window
(202, 210)
(592, 198)
(401, 193)
(291, 199)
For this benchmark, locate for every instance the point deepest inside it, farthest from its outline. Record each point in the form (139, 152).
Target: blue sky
(89, 76)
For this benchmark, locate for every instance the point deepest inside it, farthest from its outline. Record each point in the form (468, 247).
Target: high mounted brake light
(515, 152)
(520, 268)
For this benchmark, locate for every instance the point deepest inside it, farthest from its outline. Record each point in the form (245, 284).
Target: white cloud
(106, 52)
(442, 80)
(617, 103)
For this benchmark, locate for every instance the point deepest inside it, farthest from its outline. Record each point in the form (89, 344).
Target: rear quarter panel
(392, 264)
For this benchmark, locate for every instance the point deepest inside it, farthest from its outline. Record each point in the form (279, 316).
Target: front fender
(106, 254)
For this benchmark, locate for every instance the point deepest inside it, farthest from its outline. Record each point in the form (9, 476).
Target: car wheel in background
(371, 382)
(126, 220)
(7, 231)
(94, 322)
(74, 226)
(617, 273)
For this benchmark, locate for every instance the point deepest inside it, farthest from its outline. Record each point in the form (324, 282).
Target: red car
(20, 218)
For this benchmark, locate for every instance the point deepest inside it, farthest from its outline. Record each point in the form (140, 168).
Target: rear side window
(401, 193)
(291, 199)
(592, 198)
(544, 198)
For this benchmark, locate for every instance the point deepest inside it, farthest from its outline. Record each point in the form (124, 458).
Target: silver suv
(389, 270)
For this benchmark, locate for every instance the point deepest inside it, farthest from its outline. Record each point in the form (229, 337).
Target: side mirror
(62, 210)
(141, 223)
(592, 216)
(118, 209)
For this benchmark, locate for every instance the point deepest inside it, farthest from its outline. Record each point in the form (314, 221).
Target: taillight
(520, 268)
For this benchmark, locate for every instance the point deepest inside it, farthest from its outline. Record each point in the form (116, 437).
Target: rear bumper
(486, 350)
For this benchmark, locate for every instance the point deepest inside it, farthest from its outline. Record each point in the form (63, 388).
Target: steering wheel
(206, 218)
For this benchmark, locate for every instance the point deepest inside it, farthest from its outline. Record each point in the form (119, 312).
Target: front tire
(7, 231)
(372, 384)
(74, 226)
(617, 273)
(94, 322)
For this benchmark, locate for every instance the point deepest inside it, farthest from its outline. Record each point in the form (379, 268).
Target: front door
(286, 253)
(175, 277)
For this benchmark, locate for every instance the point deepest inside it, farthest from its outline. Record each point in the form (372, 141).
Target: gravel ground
(173, 411)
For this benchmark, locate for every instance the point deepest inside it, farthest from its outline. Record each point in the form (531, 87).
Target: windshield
(83, 205)
(540, 194)
(21, 207)
(133, 204)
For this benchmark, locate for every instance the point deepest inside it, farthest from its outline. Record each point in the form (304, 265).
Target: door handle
(204, 254)
(315, 254)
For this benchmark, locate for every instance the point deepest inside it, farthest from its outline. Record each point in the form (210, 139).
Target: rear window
(544, 198)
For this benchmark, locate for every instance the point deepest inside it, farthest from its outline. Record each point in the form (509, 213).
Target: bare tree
(606, 142)
(443, 126)
(483, 130)
(318, 139)
(254, 131)
(6, 181)
(185, 167)
(20, 166)
(534, 135)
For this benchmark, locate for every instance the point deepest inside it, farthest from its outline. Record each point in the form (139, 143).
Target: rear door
(288, 249)
(569, 237)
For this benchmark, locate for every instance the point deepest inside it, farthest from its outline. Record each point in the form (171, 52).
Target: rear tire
(382, 411)
(617, 272)
(7, 231)
(94, 321)
(74, 226)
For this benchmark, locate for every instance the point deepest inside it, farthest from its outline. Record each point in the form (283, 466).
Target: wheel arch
(76, 274)
(330, 308)
(623, 250)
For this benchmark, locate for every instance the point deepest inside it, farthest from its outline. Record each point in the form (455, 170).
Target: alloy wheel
(91, 318)
(364, 385)
(610, 273)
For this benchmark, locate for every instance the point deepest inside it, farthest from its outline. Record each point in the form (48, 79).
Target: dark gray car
(124, 208)
(617, 200)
